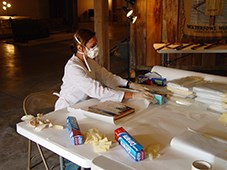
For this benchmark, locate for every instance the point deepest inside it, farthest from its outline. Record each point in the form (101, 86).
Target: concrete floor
(32, 67)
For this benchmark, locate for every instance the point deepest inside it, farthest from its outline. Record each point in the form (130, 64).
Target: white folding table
(156, 124)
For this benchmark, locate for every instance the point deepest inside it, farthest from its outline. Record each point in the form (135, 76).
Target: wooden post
(170, 27)
(154, 32)
(101, 14)
(147, 32)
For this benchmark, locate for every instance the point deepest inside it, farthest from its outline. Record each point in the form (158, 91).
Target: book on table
(112, 108)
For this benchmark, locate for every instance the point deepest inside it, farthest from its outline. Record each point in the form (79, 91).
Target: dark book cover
(111, 108)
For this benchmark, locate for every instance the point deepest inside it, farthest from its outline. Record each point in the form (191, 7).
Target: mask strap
(77, 40)
(80, 52)
(85, 60)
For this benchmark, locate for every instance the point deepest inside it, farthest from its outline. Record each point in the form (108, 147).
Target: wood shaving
(39, 123)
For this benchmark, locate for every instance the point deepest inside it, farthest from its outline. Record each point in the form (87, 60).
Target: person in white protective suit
(84, 78)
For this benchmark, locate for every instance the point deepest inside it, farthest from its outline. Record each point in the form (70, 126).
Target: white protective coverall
(79, 84)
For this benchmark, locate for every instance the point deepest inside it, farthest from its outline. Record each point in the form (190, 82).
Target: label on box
(133, 148)
(74, 130)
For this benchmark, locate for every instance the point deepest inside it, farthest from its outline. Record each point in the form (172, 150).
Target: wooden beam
(170, 20)
(147, 32)
(101, 28)
(154, 25)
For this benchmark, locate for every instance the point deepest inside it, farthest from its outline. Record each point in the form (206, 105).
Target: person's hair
(83, 36)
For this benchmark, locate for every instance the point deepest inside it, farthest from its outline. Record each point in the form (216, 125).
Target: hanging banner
(205, 18)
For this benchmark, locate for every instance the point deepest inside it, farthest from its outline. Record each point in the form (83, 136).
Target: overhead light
(127, 11)
(6, 6)
(132, 2)
(132, 19)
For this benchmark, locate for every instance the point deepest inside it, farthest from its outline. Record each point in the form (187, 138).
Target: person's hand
(144, 95)
(138, 87)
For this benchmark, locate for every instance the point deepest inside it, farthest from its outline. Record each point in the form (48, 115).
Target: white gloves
(137, 87)
(144, 95)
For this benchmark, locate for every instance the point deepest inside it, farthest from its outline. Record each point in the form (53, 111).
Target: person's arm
(127, 95)
(137, 86)
(91, 87)
(139, 95)
(111, 80)
(107, 78)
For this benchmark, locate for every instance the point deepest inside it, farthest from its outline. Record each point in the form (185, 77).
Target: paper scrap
(39, 123)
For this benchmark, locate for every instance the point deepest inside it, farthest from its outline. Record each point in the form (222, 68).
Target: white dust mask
(92, 52)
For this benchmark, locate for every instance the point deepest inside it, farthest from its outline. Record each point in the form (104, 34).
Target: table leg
(43, 158)
(165, 59)
(61, 162)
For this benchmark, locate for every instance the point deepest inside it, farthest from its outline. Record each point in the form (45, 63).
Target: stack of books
(213, 94)
(182, 87)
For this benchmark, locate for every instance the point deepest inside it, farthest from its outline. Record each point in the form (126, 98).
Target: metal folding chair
(34, 103)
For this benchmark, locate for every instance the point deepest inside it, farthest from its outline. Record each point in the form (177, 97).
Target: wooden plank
(172, 48)
(147, 32)
(153, 20)
(170, 26)
(170, 19)
(197, 60)
(221, 60)
(208, 60)
(140, 28)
